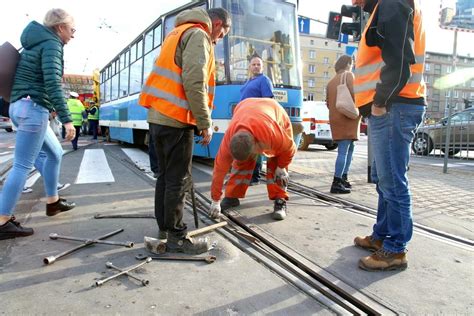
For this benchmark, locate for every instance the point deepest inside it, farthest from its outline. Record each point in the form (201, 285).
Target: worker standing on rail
(258, 126)
(179, 94)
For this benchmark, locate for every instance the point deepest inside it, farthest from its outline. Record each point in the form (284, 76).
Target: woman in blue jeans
(37, 90)
(344, 130)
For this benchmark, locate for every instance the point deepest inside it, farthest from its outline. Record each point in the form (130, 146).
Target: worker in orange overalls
(259, 126)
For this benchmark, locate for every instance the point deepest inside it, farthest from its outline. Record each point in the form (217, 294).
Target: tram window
(136, 76)
(114, 87)
(149, 62)
(107, 91)
(102, 92)
(264, 28)
(140, 49)
(133, 53)
(124, 82)
(220, 61)
(157, 37)
(148, 41)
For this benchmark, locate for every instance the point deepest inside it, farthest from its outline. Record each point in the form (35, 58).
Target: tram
(267, 28)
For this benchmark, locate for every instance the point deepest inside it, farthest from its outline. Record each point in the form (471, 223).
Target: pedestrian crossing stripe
(94, 168)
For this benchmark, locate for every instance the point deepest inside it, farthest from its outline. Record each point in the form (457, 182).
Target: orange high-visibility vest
(369, 63)
(164, 90)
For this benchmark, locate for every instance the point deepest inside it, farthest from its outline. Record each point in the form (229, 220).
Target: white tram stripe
(94, 168)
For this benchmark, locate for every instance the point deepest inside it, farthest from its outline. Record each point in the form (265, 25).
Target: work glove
(215, 209)
(282, 176)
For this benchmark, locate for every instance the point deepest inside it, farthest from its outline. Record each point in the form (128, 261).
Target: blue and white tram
(265, 27)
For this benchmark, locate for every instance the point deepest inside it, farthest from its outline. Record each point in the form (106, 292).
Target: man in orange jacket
(258, 126)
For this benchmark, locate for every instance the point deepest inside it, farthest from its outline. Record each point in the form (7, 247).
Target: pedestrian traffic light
(334, 25)
(354, 28)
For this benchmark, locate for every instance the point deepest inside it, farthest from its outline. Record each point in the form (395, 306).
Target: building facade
(438, 65)
(319, 55)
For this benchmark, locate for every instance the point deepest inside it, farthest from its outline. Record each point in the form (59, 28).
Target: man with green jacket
(77, 110)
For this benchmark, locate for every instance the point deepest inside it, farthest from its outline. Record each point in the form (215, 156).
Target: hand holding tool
(282, 175)
(122, 272)
(144, 282)
(215, 209)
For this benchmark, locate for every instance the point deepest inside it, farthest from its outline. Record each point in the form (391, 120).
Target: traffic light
(356, 27)
(334, 25)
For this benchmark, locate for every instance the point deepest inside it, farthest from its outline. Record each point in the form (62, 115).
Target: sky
(104, 27)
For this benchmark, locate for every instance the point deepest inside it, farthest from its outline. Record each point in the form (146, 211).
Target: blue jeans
(345, 149)
(390, 137)
(33, 134)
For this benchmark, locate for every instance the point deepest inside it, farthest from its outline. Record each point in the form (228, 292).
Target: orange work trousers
(240, 177)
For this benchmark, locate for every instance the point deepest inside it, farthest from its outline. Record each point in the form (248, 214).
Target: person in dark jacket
(390, 89)
(37, 90)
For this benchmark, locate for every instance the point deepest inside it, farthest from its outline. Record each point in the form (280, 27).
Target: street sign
(351, 50)
(303, 25)
(457, 15)
(343, 38)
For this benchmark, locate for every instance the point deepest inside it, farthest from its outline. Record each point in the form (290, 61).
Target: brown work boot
(191, 246)
(368, 243)
(383, 260)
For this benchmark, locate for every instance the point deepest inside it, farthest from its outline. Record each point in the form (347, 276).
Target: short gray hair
(220, 14)
(56, 17)
(242, 145)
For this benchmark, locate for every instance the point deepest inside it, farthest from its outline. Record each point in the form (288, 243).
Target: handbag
(9, 57)
(344, 102)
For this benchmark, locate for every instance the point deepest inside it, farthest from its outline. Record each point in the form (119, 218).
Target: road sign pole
(450, 106)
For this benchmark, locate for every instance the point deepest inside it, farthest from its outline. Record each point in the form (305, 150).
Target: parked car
(433, 136)
(363, 127)
(6, 124)
(315, 115)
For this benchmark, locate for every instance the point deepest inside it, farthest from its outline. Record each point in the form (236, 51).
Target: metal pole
(448, 124)
(369, 155)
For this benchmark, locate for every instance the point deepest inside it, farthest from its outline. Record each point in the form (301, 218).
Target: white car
(315, 115)
(6, 123)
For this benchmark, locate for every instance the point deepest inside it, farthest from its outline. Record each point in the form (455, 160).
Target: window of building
(448, 93)
(312, 68)
(312, 54)
(472, 95)
(326, 75)
(311, 83)
(427, 67)
(448, 69)
(311, 42)
(456, 93)
(310, 97)
(435, 106)
(326, 60)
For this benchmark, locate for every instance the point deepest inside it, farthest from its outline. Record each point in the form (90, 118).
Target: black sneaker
(178, 243)
(279, 209)
(13, 229)
(227, 203)
(59, 206)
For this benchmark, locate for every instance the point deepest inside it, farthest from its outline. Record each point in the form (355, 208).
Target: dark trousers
(74, 141)
(152, 154)
(93, 126)
(174, 148)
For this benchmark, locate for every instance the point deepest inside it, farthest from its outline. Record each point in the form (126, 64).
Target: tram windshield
(266, 28)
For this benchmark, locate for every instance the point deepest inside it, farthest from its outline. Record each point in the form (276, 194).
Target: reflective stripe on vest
(369, 64)
(164, 90)
(93, 116)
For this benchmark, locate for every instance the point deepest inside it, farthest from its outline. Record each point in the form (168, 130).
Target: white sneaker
(279, 209)
(27, 190)
(63, 186)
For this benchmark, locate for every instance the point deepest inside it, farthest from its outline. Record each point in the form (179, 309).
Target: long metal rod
(127, 244)
(52, 259)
